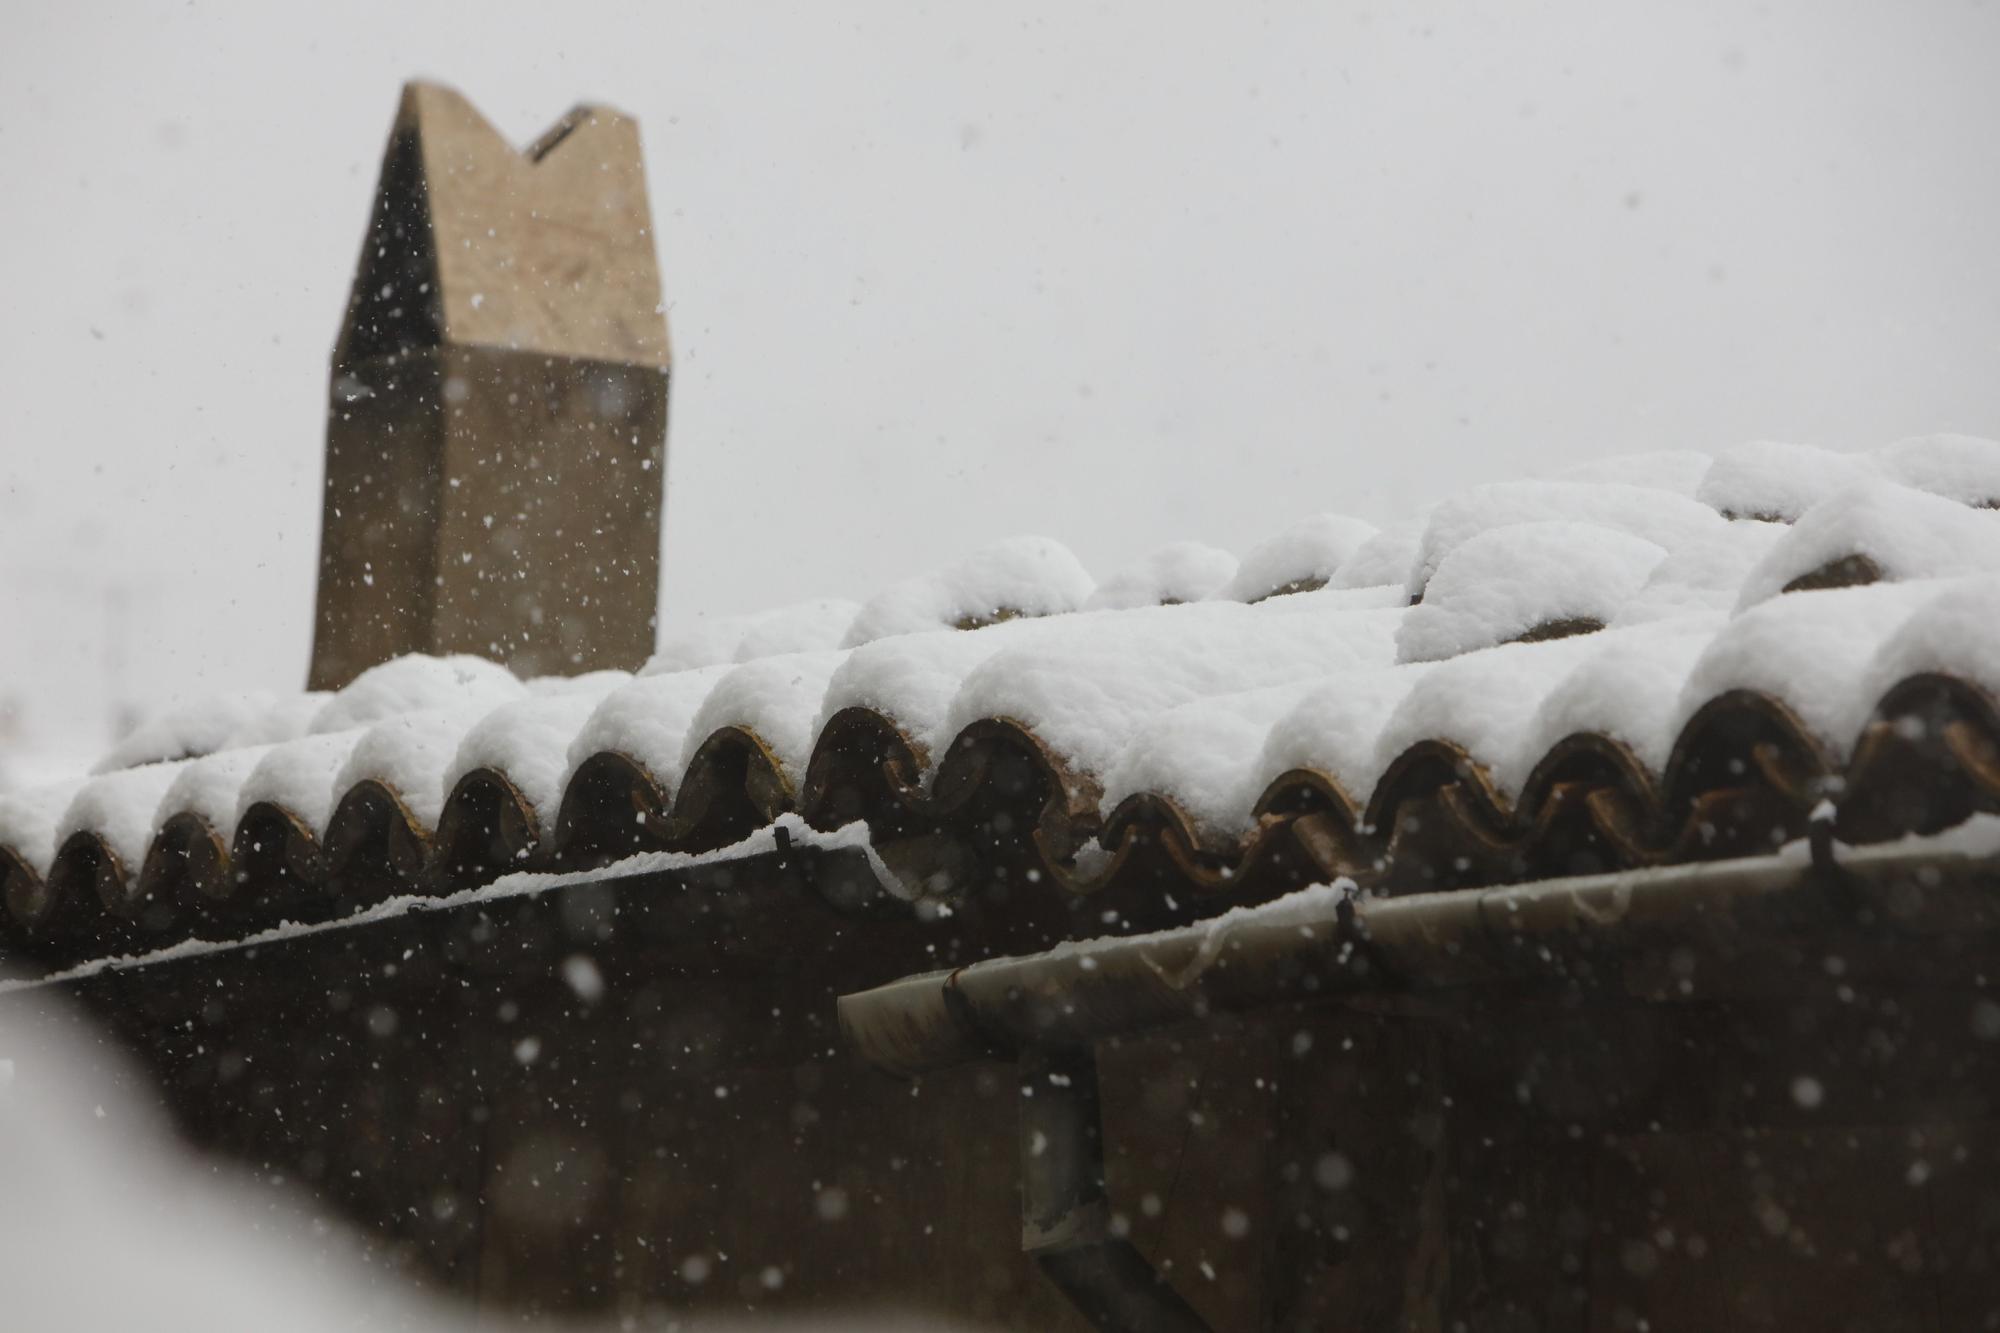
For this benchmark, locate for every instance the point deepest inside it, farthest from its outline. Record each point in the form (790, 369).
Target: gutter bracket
(1837, 881)
(1352, 937)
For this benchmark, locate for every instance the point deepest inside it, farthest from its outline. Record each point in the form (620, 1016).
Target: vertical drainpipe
(1065, 1209)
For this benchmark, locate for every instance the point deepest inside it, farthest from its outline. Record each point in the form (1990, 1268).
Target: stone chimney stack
(496, 430)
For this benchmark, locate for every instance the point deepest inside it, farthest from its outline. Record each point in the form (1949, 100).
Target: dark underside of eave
(999, 832)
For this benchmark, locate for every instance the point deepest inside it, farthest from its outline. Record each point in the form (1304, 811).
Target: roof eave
(1324, 945)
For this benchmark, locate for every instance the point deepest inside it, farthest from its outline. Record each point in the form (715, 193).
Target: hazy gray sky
(1117, 274)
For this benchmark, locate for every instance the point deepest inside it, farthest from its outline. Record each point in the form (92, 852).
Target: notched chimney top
(473, 243)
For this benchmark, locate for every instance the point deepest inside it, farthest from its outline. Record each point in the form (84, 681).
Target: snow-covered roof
(1652, 659)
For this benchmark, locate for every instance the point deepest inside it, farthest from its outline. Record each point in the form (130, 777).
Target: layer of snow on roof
(298, 777)
(1771, 479)
(1196, 755)
(191, 727)
(1964, 468)
(410, 754)
(1505, 582)
(1209, 697)
(808, 627)
(1955, 633)
(1386, 557)
(1085, 692)
(1483, 702)
(286, 720)
(717, 640)
(208, 787)
(702, 642)
(647, 721)
(596, 684)
(1335, 730)
(1304, 556)
(29, 819)
(1906, 534)
(1661, 517)
(1180, 572)
(528, 740)
(1810, 651)
(1627, 691)
(413, 683)
(1021, 576)
(911, 679)
(119, 807)
(1704, 575)
(777, 699)
(1677, 470)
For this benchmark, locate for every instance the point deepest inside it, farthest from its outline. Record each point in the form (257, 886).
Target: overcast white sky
(1120, 275)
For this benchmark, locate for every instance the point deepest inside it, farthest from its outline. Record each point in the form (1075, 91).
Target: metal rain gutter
(1321, 944)
(1047, 1011)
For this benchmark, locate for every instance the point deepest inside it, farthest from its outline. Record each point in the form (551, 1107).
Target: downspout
(1066, 1213)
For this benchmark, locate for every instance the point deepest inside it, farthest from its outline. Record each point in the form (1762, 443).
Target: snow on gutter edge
(787, 832)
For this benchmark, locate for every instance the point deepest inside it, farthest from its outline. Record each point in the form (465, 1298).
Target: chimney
(496, 430)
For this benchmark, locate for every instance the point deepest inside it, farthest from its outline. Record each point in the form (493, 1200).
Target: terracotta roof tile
(1192, 755)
